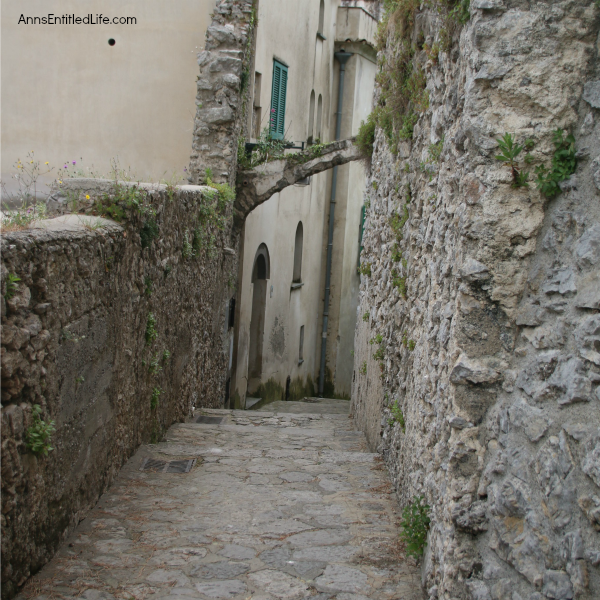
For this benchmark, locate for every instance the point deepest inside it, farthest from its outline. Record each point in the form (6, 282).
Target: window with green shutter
(280, 77)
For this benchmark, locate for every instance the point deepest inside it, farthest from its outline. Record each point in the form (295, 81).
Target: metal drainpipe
(342, 58)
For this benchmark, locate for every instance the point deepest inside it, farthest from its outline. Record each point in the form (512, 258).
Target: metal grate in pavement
(167, 466)
(209, 420)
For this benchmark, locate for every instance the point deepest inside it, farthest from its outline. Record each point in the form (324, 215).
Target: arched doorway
(260, 276)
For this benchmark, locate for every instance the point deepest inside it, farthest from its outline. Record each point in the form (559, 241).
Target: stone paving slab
(277, 506)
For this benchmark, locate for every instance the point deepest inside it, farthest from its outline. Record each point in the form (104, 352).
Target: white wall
(68, 95)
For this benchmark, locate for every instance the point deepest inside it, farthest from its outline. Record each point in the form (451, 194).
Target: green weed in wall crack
(148, 287)
(212, 217)
(363, 368)
(188, 248)
(397, 416)
(155, 397)
(415, 525)
(11, 285)
(366, 317)
(509, 154)
(399, 283)
(379, 354)
(154, 367)
(365, 269)
(564, 163)
(151, 332)
(38, 436)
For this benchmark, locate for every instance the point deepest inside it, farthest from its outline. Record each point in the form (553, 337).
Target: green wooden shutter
(278, 94)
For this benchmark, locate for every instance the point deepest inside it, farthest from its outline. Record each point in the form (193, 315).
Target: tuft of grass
(415, 524)
(39, 434)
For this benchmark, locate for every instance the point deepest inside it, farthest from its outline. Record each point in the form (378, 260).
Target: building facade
(101, 91)
(279, 334)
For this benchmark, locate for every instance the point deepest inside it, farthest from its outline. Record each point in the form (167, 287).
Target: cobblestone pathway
(279, 505)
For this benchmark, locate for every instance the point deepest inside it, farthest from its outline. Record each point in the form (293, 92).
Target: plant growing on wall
(397, 416)
(365, 269)
(155, 397)
(509, 154)
(154, 367)
(212, 216)
(399, 283)
(188, 249)
(365, 139)
(151, 333)
(564, 163)
(27, 194)
(39, 434)
(401, 80)
(12, 281)
(415, 525)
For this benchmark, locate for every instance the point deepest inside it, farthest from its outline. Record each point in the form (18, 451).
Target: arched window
(319, 116)
(311, 117)
(321, 17)
(262, 264)
(298, 254)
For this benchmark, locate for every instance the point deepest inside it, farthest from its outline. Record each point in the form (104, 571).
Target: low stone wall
(480, 313)
(96, 324)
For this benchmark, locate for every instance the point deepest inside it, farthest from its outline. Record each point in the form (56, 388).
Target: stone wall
(224, 86)
(74, 342)
(492, 351)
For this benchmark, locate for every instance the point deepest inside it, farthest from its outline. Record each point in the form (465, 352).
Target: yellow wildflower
(46, 163)
(59, 181)
(87, 196)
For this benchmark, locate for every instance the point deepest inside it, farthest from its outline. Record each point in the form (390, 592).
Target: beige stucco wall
(68, 95)
(358, 94)
(292, 39)
(287, 32)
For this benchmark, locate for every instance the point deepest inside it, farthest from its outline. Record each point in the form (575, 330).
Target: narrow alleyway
(283, 502)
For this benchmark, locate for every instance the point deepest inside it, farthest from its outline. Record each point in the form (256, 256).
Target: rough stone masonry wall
(73, 336)
(223, 90)
(74, 342)
(500, 393)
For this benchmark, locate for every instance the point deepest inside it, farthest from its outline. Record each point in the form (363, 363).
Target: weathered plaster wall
(74, 342)
(133, 100)
(500, 393)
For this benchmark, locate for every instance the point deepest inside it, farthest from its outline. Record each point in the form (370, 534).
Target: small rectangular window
(278, 97)
(301, 353)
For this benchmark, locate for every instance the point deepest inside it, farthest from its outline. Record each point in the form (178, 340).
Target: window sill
(321, 36)
(296, 286)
